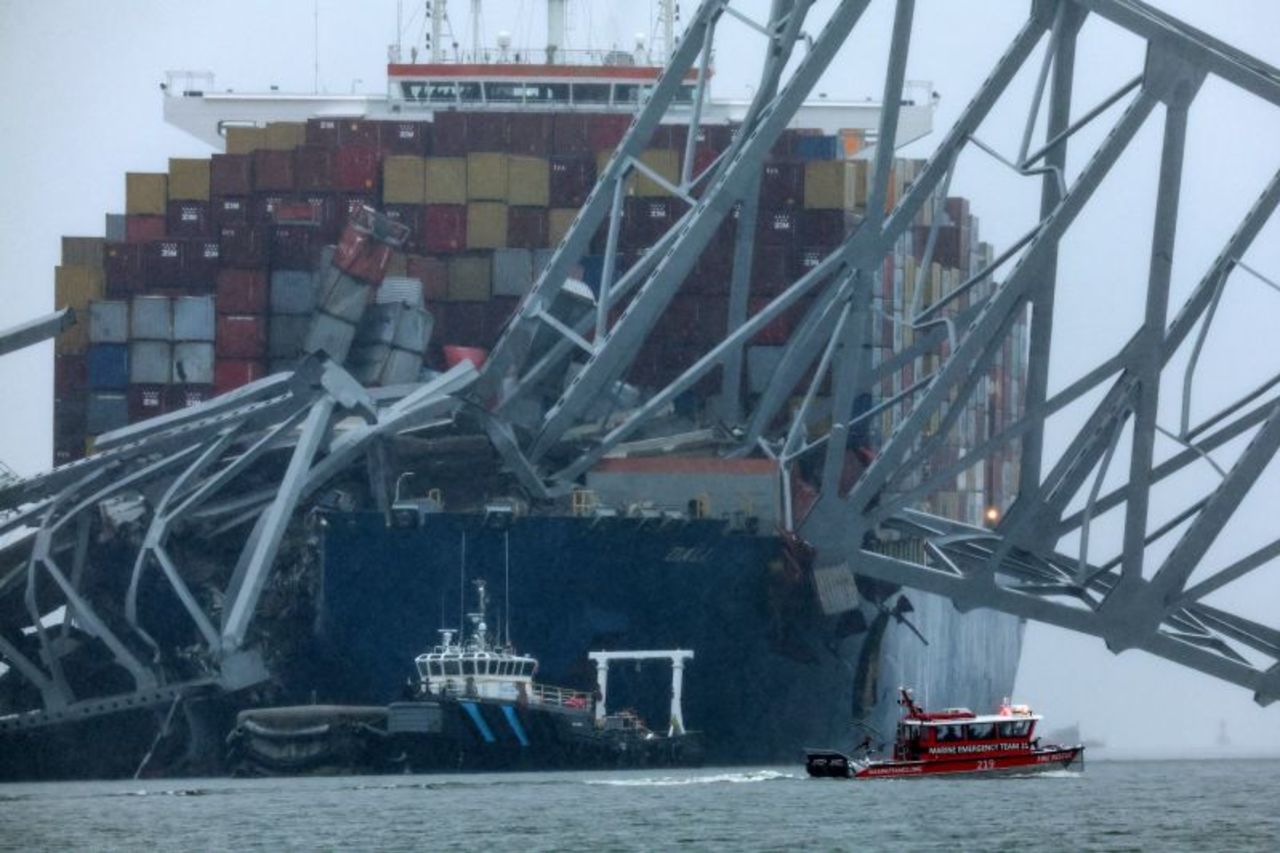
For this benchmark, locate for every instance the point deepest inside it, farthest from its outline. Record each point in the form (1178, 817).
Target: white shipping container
(151, 318)
(293, 292)
(194, 318)
(287, 335)
(108, 322)
(150, 362)
(193, 363)
(330, 335)
(399, 289)
(512, 272)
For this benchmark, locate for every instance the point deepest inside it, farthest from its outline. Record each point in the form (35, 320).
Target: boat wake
(714, 779)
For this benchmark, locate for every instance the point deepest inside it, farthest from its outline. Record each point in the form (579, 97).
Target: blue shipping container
(809, 148)
(108, 366)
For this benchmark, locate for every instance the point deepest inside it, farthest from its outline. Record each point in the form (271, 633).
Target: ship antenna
(315, 48)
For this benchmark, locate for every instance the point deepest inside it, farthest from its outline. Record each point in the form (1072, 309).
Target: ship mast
(555, 28)
(475, 30)
(667, 15)
(439, 11)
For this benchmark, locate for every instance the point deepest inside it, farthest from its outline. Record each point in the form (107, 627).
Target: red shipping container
(356, 168)
(782, 186)
(162, 263)
(230, 174)
(432, 272)
(671, 137)
(408, 215)
(323, 132)
(181, 397)
(70, 373)
(822, 227)
(444, 228)
(771, 270)
(605, 131)
(358, 131)
(572, 179)
(349, 204)
(645, 221)
(232, 373)
(188, 219)
(242, 292)
(806, 258)
(778, 331)
(230, 210)
(243, 246)
(313, 167)
(529, 134)
(462, 324)
(449, 134)
(324, 213)
(241, 336)
(487, 131)
(361, 256)
(262, 207)
(294, 247)
(405, 137)
(201, 258)
(273, 170)
(570, 135)
(500, 309)
(715, 137)
(147, 401)
(777, 228)
(527, 227)
(123, 265)
(144, 229)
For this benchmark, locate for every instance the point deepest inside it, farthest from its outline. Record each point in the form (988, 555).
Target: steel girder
(199, 482)
(1126, 602)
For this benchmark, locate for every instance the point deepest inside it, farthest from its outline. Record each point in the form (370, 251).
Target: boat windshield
(1014, 728)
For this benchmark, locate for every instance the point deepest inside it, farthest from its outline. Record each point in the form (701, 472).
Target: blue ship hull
(771, 673)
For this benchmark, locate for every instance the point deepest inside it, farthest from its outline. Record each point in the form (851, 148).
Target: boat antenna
(462, 582)
(475, 30)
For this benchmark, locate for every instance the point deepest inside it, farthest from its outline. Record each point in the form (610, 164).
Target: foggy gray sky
(80, 106)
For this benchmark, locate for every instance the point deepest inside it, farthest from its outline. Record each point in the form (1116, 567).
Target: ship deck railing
(561, 697)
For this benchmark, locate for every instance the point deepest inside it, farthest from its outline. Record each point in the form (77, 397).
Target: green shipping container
(824, 184)
(486, 177)
(83, 252)
(404, 180)
(446, 180)
(469, 278)
(486, 225)
(528, 181)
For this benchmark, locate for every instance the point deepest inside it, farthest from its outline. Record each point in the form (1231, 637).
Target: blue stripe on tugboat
(481, 726)
(514, 722)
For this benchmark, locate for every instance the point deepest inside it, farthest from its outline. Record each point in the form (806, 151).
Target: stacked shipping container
(215, 273)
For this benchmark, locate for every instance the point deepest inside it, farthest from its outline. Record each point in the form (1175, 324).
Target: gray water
(1207, 805)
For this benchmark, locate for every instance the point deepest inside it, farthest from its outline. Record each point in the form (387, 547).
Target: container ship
(215, 276)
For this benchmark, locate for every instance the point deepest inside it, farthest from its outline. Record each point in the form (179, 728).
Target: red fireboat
(954, 741)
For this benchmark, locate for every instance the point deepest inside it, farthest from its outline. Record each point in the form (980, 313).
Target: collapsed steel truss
(537, 397)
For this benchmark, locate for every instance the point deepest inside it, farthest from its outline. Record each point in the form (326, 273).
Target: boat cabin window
(453, 667)
(470, 92)
(1015, 728)
(684, 95)
(982, 731)
(504, 92)
(630, 93)
(591, 93)
(942, 734)
(546, 93)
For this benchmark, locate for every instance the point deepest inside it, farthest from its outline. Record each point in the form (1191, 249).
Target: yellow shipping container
(469, 278)
(486, 225)
(76, 287)
(528, 181)
(486, 177)
(558, 221)
(665, 163)
(404, 180)
(285, 135)
(824, 184)
(146, 193)
(245, 140)
(188, 179)
(446, 180)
